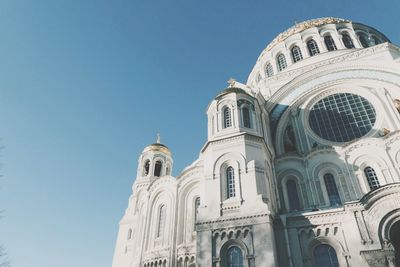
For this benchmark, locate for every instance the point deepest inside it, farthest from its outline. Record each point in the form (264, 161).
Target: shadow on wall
(339, 203)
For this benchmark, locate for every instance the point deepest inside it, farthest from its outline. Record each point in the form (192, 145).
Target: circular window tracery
(342, 117)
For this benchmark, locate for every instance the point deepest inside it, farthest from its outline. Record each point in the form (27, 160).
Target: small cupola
(232, 111)
(155, 160)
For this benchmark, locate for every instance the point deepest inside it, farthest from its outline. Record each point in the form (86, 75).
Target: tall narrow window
(281, 62)
(246, 117)
(330, 43)
(325, 256)
(161, 221)
(296, 54)
(363, 40)
(348, 43)
(235, 257)
(372, 178)
(157, 168)
(227, 117)
(333, 194)
(146, 168)
(269, 71)
(230, 182)
(293, 195)
(312, 47)
(196, 210)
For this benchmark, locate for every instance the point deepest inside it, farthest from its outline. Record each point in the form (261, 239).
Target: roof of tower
(299, 27)
(231, 90)
(157, 147)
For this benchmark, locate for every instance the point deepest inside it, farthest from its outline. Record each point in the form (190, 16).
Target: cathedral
(301, 167)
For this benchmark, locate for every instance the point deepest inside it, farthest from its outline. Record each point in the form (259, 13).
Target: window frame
(230, 182)
(332, 189)
(281, 61)
(330, 43)
(290, 199)
(312, 47)
(349, 43)
(161, 221)
(227, 117)
(269, 69)
(371, 177)
(296, 54)
(240, 257)
(158, 168)
(363, 39)
(315, 257)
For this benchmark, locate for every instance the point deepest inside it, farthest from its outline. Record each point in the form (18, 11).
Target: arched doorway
(395, 240)
(325, 256)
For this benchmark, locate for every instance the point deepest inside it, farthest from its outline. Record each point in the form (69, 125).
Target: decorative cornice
(299, 27)
(229, 221)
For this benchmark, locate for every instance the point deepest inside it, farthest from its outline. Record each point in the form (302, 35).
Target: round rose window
(342, 117)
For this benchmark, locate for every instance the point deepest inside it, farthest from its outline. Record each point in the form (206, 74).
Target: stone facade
(301, 166)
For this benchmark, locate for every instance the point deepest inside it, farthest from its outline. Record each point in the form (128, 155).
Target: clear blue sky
(85, 85)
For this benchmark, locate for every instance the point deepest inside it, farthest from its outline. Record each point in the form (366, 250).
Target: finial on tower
(231, 82)
(158, 138)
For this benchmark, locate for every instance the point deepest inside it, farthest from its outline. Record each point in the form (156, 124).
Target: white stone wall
(279, 146)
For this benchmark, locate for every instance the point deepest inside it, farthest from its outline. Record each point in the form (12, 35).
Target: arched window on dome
(372, 178)
(269, 71)
(161, 221)
(246, 118)
(363, 40)
(227, 117)
(146, 167)
(347, 41)
(330, 43)
(293, 195)
(296, 53)
(157, 168)
(281, 62)
(230, 182)
(312, 47)
(235, 257)
(376, 40)
(325, 256)
(331, 189)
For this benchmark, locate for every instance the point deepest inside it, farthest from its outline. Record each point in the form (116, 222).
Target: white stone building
(301, 166)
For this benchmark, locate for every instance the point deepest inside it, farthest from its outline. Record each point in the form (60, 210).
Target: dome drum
(311, 38)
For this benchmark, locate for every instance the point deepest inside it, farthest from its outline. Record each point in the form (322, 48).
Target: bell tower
(239, 193)
(155, 161)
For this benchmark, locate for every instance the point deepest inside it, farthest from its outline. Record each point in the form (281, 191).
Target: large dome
(312, 38)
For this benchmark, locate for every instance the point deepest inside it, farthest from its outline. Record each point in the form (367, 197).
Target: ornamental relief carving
(320, 219)
(303, 26)
(232, 222)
